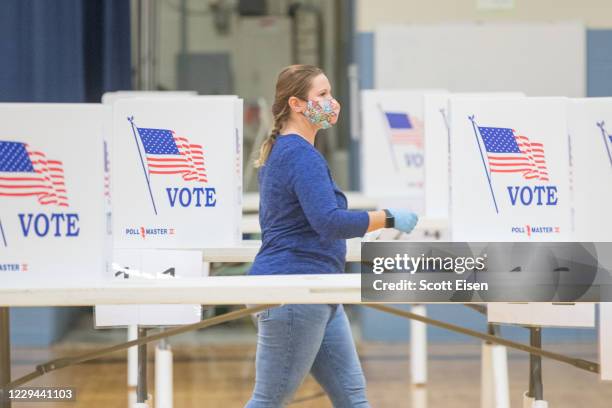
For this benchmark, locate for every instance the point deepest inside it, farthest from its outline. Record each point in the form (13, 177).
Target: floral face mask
(321, 112)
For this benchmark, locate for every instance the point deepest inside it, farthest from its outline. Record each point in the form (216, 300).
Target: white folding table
(263, 291)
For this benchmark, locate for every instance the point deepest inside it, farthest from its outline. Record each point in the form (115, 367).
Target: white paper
(150, 264)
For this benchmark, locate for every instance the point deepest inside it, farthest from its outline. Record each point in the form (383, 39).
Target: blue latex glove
(405, 220)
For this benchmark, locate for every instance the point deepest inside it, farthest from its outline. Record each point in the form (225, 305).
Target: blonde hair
(294, 80)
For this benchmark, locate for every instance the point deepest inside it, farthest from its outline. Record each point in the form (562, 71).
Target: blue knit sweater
(302, 212)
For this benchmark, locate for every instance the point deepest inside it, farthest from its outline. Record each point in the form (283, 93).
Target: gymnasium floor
(214, 368)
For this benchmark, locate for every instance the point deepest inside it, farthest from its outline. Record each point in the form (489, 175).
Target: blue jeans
(296, 339)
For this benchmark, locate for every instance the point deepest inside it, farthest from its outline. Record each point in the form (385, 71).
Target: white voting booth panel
(147, 264)
(177, 179)
(437, 155)
(509, 170)
(590, 130)
(392, 144)
(112, 97)
(54, 211)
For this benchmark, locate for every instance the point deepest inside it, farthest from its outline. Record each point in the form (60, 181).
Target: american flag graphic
(405, 129)
(511, 153)
(167, 153)
(26, 172)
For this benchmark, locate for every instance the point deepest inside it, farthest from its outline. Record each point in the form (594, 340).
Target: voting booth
(55, 214)
(177, 185)
(590, 134)
(510, 180)
(392, 154)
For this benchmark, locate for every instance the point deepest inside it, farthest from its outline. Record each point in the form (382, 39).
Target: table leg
(536, 387)
(5, 355)
(141, 386)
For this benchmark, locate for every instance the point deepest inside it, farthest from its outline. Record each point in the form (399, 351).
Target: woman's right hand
(405, 220)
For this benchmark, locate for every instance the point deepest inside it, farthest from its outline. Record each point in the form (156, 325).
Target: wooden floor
(222, 376)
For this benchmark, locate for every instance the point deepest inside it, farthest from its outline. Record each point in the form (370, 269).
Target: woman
(305, 222)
